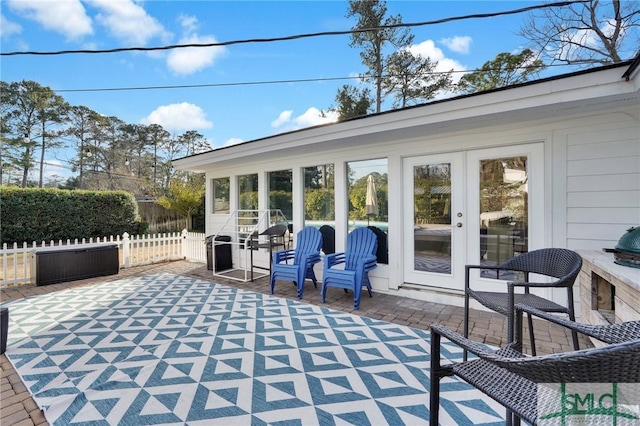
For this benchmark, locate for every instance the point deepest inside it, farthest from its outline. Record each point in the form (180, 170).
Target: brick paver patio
(18, 408)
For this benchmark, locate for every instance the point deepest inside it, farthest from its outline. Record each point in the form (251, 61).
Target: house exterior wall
(591, 185)
(596, 184)
(584, 128)
(603, 182)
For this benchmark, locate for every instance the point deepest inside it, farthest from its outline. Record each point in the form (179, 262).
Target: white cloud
(191, 59)
(176, 117)
(233, 141)
(128, 21)
(574, 42)
(67, 17)
(8, 27)
(429, 49)
(311, 117)
(90, 45)
(189, 23)
(283, 118)
(459, 44)
(331, 117)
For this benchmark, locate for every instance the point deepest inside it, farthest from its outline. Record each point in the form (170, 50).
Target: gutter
(632, 68)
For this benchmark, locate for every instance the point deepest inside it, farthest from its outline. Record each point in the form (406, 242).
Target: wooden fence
(134, 250)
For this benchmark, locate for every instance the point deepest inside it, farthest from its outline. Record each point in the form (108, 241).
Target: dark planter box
(4, 328)
(50, 265)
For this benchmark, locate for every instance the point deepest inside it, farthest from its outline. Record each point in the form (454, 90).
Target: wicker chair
(559, 263)
(511, 378)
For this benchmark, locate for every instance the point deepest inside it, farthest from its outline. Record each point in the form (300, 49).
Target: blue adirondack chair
(303, 257)
(358, 260)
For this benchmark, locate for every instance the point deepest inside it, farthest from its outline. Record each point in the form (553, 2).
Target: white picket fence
(134, 250)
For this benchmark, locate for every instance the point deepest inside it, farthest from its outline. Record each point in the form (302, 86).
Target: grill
(627, 251)
(627, 259)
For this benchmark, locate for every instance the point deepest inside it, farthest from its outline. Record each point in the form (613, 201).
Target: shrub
(35, 214)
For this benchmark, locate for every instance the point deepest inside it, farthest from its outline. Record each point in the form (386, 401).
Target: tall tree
(505, 70)
(111, 154)
(352, 102)
(372, 14)
(193, 142)
(51, 112)
(114, 155)
(411, 78)
(595, 32)
(96, 142)
(101, 152)
(7, 137)
(189, 143)
(19, 105)
(129, 144)
(79, 122)
(139, 145)
(159, 139)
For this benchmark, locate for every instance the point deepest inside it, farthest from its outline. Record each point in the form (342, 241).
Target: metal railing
(243, 227)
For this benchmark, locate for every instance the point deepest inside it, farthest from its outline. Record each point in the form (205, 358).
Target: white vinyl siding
(588, 126)
(603, 184)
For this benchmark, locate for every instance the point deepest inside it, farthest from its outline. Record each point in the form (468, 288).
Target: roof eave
(548, 96)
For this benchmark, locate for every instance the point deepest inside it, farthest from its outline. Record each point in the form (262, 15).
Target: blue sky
(233, 113)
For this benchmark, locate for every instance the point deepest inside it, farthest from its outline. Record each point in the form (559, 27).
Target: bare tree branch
(596, 32)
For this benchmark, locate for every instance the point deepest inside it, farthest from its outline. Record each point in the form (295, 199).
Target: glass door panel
(434, 222)
(505, 196)
(504, 210)
(500, 189)
(432, 217)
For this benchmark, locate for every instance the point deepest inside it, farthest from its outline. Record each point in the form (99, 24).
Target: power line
(298, 36)
(195, 86)
(87, 170)
(265, 82)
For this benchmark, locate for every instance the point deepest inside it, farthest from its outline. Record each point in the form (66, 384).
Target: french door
(472, 207)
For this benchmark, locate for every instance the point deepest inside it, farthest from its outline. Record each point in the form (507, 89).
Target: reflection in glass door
(472, 207)
(504, 210)
(432, 217)
(435, 222)
(506, 201)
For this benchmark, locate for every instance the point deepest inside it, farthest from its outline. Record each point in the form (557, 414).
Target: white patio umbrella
(371, 200)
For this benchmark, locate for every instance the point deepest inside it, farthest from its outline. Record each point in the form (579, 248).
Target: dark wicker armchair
(562, 264)
(511, 378)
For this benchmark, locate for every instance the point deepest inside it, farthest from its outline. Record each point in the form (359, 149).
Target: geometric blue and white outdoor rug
(168, 349)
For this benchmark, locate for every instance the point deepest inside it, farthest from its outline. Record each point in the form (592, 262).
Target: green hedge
(319, 204)
(34, 214)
